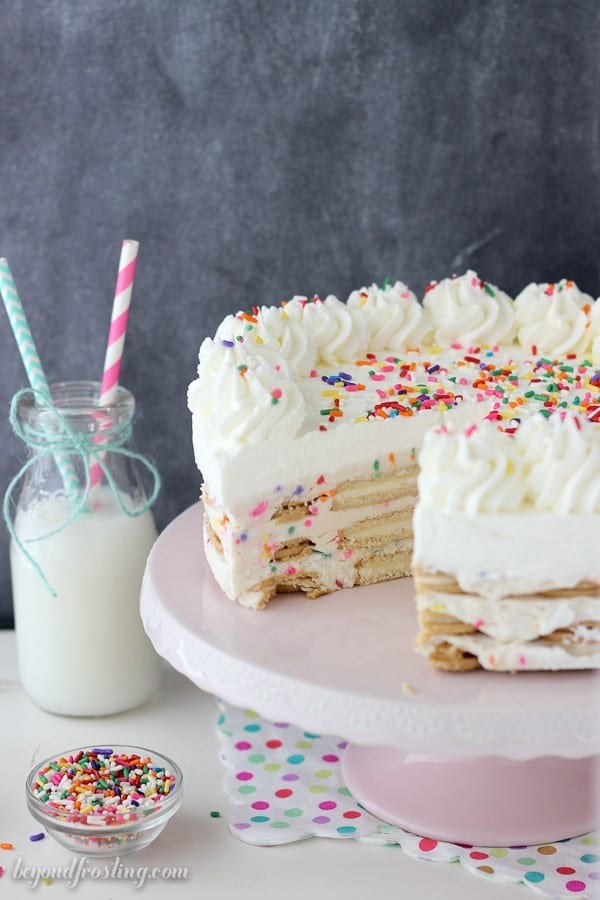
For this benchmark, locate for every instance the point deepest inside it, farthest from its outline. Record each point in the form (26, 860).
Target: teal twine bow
(65, 440)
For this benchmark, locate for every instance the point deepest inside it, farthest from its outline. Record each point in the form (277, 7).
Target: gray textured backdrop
(260, 148)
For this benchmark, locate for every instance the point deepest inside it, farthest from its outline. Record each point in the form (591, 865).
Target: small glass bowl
(109, 834)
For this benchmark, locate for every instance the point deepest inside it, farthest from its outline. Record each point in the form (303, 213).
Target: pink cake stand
(479, 758)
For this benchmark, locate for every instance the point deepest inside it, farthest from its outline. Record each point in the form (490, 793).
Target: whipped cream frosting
(250, 398)
(517, 554)
(469, 310)
(339, 333)
(225, 349)
(550, 465)
(562, 464)
(270, 328)
(335, 355)
(553, 318)
(479, 470)
(394, 317)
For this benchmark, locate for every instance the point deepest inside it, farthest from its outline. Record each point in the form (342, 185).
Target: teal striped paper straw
(31, 361)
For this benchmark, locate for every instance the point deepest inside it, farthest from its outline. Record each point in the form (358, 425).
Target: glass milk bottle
(82, 652)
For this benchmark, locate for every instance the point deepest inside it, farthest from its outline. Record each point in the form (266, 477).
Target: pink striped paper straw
(116, 335)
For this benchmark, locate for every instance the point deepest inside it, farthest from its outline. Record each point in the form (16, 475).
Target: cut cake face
(506, 561)
(307, 418)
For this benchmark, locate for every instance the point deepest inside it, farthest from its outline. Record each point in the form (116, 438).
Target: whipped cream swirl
(475, 471)
(469, 311)
(270, 326)
(340, 334)
(242, 398)
(395, 319)
(550, 465)
(562, 459)
(553, 318)
(227, 348)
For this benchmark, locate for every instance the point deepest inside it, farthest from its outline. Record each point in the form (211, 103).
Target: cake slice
(506, 559)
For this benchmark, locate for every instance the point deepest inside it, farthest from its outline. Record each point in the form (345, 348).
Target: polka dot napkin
(286, 785)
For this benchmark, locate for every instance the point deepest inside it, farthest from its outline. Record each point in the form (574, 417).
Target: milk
(83, 652)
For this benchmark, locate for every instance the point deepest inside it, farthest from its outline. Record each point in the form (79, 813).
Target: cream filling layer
(520, 657)
(520, 620)
(499, 556)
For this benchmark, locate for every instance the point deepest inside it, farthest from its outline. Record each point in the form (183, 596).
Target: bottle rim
(78, 398)
(78, 402)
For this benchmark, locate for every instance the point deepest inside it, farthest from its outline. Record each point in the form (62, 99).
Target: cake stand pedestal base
(490, 801)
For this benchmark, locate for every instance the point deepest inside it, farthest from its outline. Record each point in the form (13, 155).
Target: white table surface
(181, 723)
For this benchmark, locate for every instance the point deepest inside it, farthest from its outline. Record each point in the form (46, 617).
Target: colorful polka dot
(243, 745)
(323, 773)
(565, 870)
(327, 804)
(575, 886)
(477, 854)
(252, 728)
(241, 825)
(547, 850)
(427, 844)
(330, 758)
(321, 820)
(273, 744)
(344, 791)
(283, 793)
(295, 759)
(304, 745)
(251, 714)
(280, 824)
(534, 877)
(247, 789)
(589, 839)
(346, 829)
(311, 736)
(526, 861)
(489, 870)
(257, 757)
(498, 851)
(272, 767)
(260, 804)
(317, 789)
(290, 777)
(590, 858)
(259, 819)
(244, 776)
(352, 814)
(293, 812)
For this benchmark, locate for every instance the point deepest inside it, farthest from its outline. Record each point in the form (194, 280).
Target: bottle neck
(75, 411)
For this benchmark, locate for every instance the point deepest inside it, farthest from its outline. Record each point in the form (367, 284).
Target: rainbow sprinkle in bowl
(104, 800)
